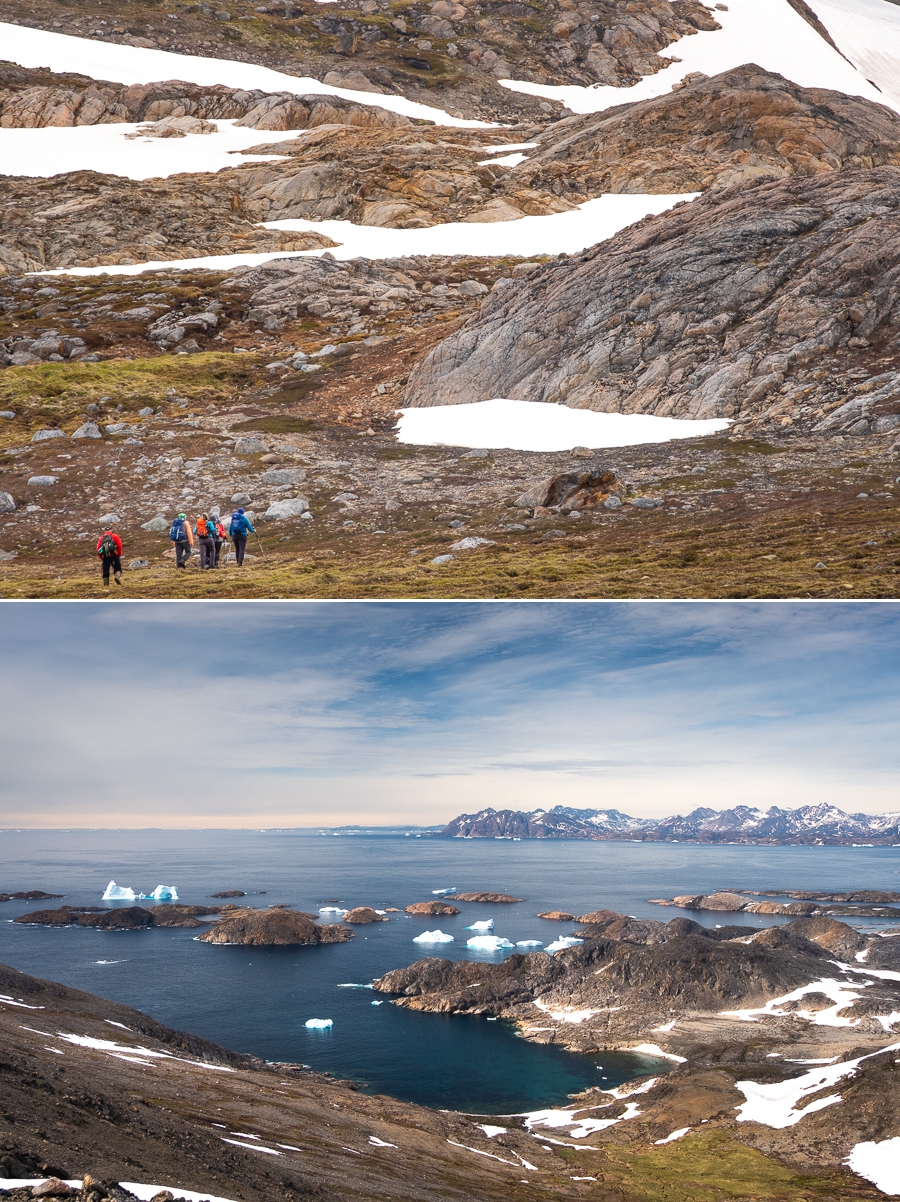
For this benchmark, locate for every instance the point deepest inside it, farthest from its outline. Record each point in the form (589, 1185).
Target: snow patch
(379, 1143)
(538, 426)
(133, 65)
(769, 33)
(838, 991)
(653, 1049)
(682, 1131)
(490, 1131)
(878, 1162)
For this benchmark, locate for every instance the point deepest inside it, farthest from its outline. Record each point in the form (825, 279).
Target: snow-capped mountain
(821, 824)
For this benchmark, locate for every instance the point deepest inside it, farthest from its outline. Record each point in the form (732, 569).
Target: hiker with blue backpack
(238, 530)
(182, 539)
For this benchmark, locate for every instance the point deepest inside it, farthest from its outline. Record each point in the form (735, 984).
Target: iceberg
(529, 943)
(116, 892)
(332, 910)
(163, 893)
(319, 1024)
(562, 942)
(442, 892)
(487, 925)
(433, 937)
(489, 943)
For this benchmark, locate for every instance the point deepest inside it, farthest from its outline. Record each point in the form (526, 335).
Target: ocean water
(258, 999)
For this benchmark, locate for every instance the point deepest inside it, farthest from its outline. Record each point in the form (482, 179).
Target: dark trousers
(182, 552)
(110, 561)
(218, 547)
(240, 546)
(207, 552)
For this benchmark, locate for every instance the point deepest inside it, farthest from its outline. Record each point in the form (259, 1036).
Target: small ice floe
(379, 1143)
(487, 925)
(319, 1024)
(444, 892)
(529, 943)
(376, 1003)
(489, 943)
(332, 910)
(562, 943)
(110, 961)
(353, 985)
(433, 937)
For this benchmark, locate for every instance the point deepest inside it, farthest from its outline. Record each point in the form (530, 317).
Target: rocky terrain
(481, 896)
(124, 918)
(740, 903)
(817, 825)
(739, 1010)
(274, 928)
(432, 907)
(279, 383)
(134, 1101)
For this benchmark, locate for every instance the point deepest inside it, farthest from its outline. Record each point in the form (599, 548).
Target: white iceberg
(332, 910)
(487, 925)
(433, 937)
(163, 893)
(562, 942)
(116, 892)
(319, 1024)
(529, 943)
(442, 892)
(489, 943)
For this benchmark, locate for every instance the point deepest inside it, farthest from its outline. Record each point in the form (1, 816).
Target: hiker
(182, 538)
(109, 548)
(218, 536)
(204, 531)
(238, 529)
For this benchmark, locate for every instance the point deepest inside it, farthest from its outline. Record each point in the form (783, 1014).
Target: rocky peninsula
(861, 904)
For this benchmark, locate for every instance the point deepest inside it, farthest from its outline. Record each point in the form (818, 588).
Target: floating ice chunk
(332, 910)
(443, 892)
(529, 943)
(487, 925)
(319, 1024)
(353, 985)
(562, 942)
(165, 893)
(376, 1003)
(116, 892)
(489, 943)
(433, 937)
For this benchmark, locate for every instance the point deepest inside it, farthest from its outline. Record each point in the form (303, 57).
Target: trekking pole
(259, 544)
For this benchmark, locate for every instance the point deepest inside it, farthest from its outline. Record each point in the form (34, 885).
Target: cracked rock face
(705, 311)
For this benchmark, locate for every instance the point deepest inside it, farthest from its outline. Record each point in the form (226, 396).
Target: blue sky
(308, 714)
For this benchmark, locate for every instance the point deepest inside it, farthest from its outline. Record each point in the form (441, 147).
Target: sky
(326, 714)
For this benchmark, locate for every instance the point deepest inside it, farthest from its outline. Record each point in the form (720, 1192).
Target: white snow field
(766, 32)
(868, 32)
(560, 233)
(130, 65)
(878, 1162)
(110, 150)
(538, 426)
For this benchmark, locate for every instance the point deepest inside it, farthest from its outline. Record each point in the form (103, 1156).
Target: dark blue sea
(257, 1000)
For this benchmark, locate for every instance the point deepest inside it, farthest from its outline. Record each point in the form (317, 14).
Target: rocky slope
(820, 824)
(786, 299)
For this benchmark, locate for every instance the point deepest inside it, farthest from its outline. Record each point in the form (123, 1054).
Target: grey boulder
(43, 435)
(42, 481)
(7, 504)
(88, 430)
(250, 446)
(284, 475)
(295, 507)
(157, 525)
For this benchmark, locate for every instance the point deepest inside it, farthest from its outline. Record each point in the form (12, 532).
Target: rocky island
(274, 928)
(861, 904)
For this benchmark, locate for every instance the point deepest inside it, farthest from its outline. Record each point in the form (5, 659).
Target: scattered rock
(250, 446)
(569, 490)
(471, 542)
(43, 435)
(158, 525)
(137, 564)
(442, 558)
(88, 430)
(42, 481)
(7, 504)
(294, 507)
(52, 1188)
(6, 555)
(284, 475)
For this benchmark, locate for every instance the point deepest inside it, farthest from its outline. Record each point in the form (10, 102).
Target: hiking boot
(118, 576)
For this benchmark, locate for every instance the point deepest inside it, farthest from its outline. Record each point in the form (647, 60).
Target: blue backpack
(238, 524)
(176, 531)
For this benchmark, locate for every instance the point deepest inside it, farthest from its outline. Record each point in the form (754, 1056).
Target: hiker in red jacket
(109, 548)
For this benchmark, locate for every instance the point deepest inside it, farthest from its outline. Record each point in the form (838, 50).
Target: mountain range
(821, 824)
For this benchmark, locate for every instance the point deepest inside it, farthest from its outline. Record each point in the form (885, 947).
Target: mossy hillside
(57, 393)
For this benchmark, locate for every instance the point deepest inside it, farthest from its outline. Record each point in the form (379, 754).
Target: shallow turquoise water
(257, 1000)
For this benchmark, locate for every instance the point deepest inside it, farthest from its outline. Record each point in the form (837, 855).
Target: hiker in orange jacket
(205, 530)
(109, 548)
